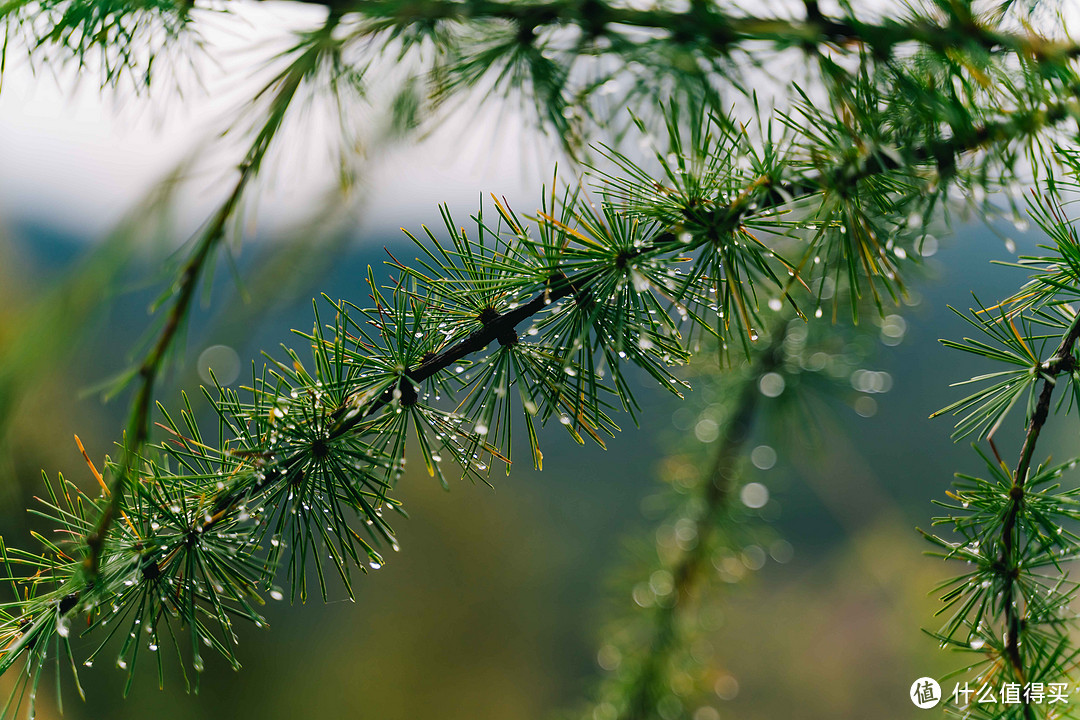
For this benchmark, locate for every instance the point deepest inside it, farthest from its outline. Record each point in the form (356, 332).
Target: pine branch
(286, 86)
(1011, 526)
(718, 30)
(497, 326)
(688, 571)
(1062, 361)
(138, 431)
(763, 195)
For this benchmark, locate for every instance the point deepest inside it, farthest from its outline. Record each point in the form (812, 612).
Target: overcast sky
(80, 158)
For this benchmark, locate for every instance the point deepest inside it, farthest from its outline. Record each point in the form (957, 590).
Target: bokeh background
(494, 609)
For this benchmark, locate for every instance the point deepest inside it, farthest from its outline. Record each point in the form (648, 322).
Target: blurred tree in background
(761, 188)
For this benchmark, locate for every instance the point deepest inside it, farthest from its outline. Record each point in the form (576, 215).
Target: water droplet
(928, 246)
(726, 687)
(771, 384)
(754, 495)
(763, 457)
(706, 430)
(481, 429)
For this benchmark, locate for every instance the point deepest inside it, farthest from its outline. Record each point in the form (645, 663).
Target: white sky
(81, 158)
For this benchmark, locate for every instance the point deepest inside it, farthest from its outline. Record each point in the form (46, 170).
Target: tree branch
(282, 91)
(1061, 361)
(687, 574)
(138, 429)
(714, 29)
(561, 286)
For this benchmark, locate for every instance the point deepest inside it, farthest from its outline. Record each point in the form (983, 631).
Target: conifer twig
(719, 30)
(717, 488)
(138, 429)
(1062, 361)
(285, 87)
(496, 326)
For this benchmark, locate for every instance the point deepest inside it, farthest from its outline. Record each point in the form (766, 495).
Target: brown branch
(1061, 361)
(560, 286)
(711, 28)
(138, 429)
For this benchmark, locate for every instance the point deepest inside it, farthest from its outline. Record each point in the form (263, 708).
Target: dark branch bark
(711, 27)
(1061, 361)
